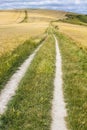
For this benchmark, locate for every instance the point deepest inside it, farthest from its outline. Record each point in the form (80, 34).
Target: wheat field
(14, 30)
(76, 32)
(9, 17)
(12, 36)
(45, 15)
(21, 32)
(13, 33)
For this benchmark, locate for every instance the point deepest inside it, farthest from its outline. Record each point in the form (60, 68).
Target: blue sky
(79, 6)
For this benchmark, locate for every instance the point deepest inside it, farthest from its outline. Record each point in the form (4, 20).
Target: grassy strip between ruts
(74, 63)
(30, 109)
(11, 62)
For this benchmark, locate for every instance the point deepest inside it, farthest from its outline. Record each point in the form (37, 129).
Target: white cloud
(77, 1)
(67, 5)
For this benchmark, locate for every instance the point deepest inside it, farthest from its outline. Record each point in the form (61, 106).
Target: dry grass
(76, 32)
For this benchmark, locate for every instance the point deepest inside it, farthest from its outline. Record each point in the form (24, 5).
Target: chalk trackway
(12, 85)
(58, 105)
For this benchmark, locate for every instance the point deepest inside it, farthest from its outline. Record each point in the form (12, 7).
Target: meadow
(21, 32)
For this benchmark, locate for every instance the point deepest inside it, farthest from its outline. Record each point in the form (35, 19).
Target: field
(76, 32)
(9, 17)
(45, 15)
(21, 32)
(74, 76)
(35, 91)
(14, 34)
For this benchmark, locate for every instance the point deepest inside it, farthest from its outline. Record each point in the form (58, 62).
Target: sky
(78, 6)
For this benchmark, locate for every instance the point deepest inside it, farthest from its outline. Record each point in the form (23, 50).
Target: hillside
(43, 70)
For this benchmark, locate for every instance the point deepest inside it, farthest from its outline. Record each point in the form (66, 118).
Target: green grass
(76, 19)
(30, 109)
(9, 63)
(74, 64)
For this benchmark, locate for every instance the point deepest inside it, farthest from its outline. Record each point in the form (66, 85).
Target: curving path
(58, 105)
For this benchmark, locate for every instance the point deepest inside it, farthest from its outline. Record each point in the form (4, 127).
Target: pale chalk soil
(12, 85)
(58, 105)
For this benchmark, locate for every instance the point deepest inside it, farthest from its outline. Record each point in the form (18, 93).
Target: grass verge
(11, 62)
(74, 63)
(30, 109)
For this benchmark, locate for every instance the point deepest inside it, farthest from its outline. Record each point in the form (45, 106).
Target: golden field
(20, 25)
(45, 15)
(9, 17)
(17, 26)
(77, 32)
(14, 30)
(12, 36)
